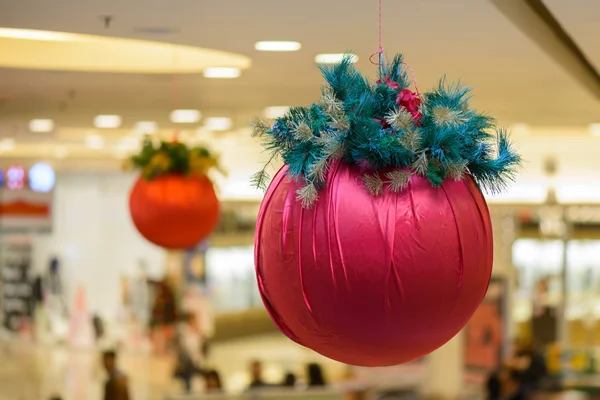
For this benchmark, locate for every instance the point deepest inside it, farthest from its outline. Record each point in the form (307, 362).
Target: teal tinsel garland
(351, 122)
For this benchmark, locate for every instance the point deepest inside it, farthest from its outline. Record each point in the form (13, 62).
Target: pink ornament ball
(373, 280)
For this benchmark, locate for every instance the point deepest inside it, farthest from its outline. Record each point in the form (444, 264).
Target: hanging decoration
(173, 203)
(373, 243)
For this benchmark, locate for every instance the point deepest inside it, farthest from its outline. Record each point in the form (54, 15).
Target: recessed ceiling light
(41, 125)
(275, 111)
(334, 58)
(595, 129)
(94, 141)
(222, 73)
(28, 34)
(145, 127)
(7, 144)
(185, 116)
(218, 124)
(107, 121)
(277, 46)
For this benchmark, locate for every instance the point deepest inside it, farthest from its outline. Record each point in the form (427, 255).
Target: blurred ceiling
(465, 39)
(514, 79)
(57, 51)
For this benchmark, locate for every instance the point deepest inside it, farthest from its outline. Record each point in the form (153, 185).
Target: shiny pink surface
(373, 281)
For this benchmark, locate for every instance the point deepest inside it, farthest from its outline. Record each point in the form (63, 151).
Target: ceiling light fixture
(185, 116)
(222, 73)
(334, 58)
(277, 46)
(275, 111)
(145, 127)
(595, 129)
(27, 34)
(107, 121)
(218, 124)
(41, 125)
(94, 141)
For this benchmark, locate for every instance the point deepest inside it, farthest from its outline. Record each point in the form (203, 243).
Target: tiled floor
(32, 372)
(28, 372)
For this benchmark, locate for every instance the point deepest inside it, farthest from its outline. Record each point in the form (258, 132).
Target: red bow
(410, 102)
(406, 100)
(389, 82)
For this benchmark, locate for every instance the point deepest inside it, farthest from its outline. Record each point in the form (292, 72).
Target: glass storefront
(540, 296)
(231, 277)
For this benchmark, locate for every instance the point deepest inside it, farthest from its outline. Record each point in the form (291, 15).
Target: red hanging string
(380, 24)
(176, 95)
(379, 52)
(412, 75)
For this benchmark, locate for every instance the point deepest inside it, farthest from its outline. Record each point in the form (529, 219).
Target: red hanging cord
(412, 75)
(176, 95)
(379, 52)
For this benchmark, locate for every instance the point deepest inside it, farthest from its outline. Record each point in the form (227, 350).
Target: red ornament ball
(373, 280)
(174, 211)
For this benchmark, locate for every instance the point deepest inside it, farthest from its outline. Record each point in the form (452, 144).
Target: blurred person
(529, 363)
(189, 351)
(314, 373)
(511, 385)
(116, 386)
(256, 379)
(139, 299)
(163, 315)
(213, 381)
(289, 380)
(494, 386)
(98, 325)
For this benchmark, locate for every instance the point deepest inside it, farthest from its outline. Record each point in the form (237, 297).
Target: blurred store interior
(82, 82)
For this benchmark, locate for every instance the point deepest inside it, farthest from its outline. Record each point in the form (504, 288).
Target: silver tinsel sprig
(411, 139)
(332, 143)
(457, 171)
(259, 126)
(444, 116)
(398, 179)
(399, 119)
(340, 123)
(302, 131)
(318, 170)
(330, 103)
(373, 183)
(421, 165)
(308, 195)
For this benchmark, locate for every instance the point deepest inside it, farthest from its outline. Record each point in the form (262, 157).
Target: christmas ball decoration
(173, 204)
(371, 280)
(374, 242)
(174, 211)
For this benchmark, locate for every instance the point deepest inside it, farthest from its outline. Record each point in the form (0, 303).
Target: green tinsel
(171, 158)
(363, 124)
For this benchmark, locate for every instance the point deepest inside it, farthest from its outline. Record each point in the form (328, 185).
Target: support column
(445, 370)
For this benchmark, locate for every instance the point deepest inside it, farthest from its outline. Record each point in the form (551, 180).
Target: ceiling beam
(536, 21)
